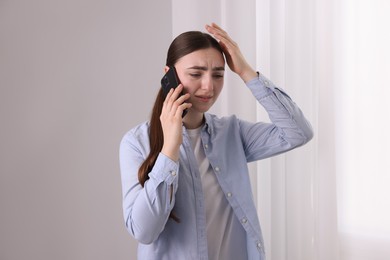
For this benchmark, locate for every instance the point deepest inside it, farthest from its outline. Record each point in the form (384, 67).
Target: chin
(203, 109)
(198, 110)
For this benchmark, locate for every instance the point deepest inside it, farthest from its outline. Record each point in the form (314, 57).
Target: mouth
(204, 98)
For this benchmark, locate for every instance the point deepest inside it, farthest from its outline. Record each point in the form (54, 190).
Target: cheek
(189, 87)
(218, 87)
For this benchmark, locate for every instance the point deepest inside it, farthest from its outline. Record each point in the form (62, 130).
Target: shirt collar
(208, 126)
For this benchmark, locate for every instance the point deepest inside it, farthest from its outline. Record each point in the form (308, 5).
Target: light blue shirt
(229, 144)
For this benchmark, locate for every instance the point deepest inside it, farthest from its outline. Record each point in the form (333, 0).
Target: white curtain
(318, 201)
(362, 128)
(296, 39)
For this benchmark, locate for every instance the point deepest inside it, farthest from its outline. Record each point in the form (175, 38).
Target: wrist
(171, 153)
(248, 74)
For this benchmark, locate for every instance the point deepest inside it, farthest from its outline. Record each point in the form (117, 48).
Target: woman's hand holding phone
(171, 121)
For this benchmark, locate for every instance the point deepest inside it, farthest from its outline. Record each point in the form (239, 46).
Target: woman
(186, 188)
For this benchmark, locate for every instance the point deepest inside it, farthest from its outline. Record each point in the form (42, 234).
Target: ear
(166, 69)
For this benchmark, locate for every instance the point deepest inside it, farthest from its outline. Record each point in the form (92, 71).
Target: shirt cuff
(260, 86)
(165, 170)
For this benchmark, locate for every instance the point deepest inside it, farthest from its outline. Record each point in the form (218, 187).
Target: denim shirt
(229, 144)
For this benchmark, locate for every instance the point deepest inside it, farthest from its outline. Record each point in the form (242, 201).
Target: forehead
(205, 57)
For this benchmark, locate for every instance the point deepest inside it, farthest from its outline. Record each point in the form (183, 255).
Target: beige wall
(75, 75)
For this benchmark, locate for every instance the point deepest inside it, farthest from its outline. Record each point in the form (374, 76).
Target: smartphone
(171, 80)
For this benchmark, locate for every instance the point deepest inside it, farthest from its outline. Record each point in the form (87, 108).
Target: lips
(205, 98)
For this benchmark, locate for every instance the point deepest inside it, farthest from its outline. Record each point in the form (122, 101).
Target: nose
(207, 83)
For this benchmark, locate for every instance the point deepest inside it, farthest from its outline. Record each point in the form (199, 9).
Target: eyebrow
(205, 68)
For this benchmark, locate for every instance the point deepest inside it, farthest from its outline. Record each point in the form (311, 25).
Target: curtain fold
(300, 185)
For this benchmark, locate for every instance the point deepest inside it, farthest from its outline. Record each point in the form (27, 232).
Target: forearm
(150, 211)
(282, 111)
(248, 74)
(146, 209)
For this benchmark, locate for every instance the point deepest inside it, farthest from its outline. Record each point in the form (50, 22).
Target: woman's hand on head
(234, 57)
(171, 121)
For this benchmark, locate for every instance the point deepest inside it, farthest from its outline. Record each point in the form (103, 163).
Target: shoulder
(221, 120)
(138, 130)
(137, 137)
(222, 123)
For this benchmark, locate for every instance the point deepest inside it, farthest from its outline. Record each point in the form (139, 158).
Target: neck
(193, 120)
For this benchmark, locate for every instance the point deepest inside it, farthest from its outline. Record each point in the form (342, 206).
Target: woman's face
(202, 75)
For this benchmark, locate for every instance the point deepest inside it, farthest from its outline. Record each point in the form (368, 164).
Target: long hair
(182, 45)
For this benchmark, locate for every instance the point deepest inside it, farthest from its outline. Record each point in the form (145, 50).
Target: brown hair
(182, 45)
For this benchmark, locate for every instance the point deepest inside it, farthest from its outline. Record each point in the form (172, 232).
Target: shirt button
(173, 173)
(206, 146)
(244, 220)
(229, 194)
(217, 169)
(258, 245)
(266, 82)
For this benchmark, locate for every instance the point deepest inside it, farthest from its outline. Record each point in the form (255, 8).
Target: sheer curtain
(297, 40)
(328, 199)
(363, 124)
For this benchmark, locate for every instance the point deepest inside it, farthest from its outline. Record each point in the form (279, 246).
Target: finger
(222, 37)
(168, 96)
(171, 97)
(219, 31)
(214, 26)
(225, 38)
(176, 93)
(228, 48)
(181, 108)
(166, 104)
(182, 98)
(173, 101)
(215, 29)
(169, 105)
(179, 102)
(212, 30)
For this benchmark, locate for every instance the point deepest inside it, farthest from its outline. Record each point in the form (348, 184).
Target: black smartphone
(171, 80)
